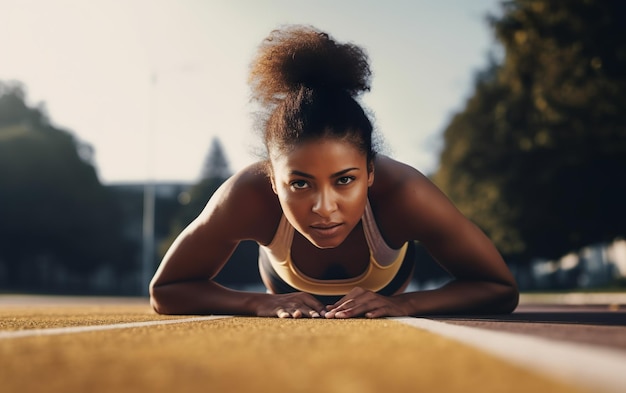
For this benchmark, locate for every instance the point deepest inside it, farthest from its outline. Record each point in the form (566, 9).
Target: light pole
(149, 189)
(149, 197)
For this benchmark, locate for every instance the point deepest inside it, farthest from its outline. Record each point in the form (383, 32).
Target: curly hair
(307, 85)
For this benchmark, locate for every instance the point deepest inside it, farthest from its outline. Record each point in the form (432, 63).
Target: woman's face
(322, 187)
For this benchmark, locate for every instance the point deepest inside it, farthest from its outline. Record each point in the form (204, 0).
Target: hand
(290, 305)
(361, 302)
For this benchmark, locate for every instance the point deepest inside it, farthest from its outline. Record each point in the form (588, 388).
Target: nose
(325, 203)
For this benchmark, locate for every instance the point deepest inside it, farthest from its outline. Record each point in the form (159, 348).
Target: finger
(345, 305)
(305, 312)
(338, 308)
(379, 312)
(354, 294)
(314, 304)
(281, 313)
(358, 309)
(343, 314)
(348, 313)
(337, 303)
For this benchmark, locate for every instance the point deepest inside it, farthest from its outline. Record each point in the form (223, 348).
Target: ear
(273, 182)
(269, 172)
(370, 174)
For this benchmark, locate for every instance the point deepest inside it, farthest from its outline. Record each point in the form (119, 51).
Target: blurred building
(599, 265)
(130, 197)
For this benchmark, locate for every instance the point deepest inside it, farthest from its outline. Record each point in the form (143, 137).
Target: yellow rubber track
(244, 354)
(54, 316)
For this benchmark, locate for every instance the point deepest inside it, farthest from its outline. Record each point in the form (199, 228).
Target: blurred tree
(214, 172)
(242, 268)
(54, 213)
(216, 164)
(538, 156)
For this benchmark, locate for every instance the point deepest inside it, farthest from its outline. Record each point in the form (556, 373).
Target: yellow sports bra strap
(374, 278)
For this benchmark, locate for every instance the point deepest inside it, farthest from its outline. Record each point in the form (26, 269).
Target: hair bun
(301, 56)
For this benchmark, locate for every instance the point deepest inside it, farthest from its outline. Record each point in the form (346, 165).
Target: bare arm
(184, 284)
(417, 210)
(243, 208)
(482, 281)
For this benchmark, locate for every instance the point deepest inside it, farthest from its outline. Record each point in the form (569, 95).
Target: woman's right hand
(290, 305)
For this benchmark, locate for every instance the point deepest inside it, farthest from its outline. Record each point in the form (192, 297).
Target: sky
(149, 83)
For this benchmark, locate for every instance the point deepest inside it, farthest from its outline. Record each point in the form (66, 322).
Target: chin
(324, 247)
(326, 243)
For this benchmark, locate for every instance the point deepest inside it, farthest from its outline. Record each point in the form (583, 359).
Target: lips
(325, 225)
(326, 229)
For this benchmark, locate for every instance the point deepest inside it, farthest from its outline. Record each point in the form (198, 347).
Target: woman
(335, 222)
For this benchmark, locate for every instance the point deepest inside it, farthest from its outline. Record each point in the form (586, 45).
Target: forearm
(462, 297)
(202, 297)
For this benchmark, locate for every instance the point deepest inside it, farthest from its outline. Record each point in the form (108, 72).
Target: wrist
(407, 303)
(253, 302)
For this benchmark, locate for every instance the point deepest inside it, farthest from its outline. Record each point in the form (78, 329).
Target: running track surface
(56, 344)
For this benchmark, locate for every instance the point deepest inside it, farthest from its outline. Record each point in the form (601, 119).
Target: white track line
(93, 328)
(589, 366)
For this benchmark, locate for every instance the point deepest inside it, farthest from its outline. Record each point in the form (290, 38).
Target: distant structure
(168, 197)
(595, 266)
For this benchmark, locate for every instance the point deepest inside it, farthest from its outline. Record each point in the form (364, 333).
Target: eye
(299, 184)
(345, 180)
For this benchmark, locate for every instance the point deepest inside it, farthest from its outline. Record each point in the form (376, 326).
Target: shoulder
(406, 203)
(397, 182)
(250, 184)
(245, 204)
(392, 173)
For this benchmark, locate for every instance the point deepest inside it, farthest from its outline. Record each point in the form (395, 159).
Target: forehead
(318, 156)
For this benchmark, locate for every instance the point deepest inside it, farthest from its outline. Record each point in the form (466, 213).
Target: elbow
(508, 298)
(158, 301)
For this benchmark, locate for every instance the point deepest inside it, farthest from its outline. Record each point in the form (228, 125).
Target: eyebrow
(336, 174)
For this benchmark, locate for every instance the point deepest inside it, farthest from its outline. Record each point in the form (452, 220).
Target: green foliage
(216, 164)
(242, 266)
(52, 205)
(537, 158)
(215, 171)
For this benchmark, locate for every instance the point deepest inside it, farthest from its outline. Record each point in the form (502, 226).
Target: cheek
(291, 205)
(356, 204)
(296, 212)
(296, 205)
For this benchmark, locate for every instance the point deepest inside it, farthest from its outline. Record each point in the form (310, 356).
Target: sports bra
(385, 262)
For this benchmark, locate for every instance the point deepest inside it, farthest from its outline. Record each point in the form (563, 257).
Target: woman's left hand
(362, 302)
